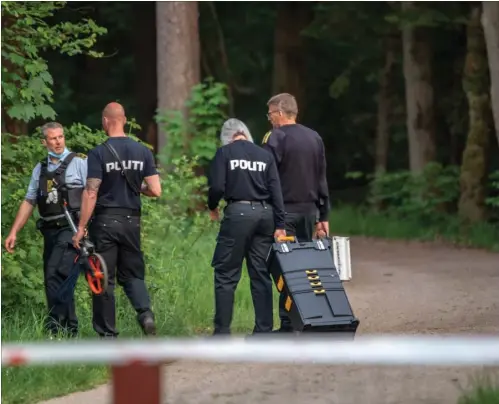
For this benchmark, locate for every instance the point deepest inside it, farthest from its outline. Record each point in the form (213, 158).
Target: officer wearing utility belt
(61, 175)
(246, 176)
(116, 171)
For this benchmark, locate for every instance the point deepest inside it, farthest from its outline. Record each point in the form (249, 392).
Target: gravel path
(397, 287)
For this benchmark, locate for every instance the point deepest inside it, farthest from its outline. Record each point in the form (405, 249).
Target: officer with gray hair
(232, 126)
(246, 176)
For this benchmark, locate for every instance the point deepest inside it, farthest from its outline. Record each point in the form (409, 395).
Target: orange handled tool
(94, 266)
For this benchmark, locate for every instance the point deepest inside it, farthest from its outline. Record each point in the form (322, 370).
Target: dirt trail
(397, 287)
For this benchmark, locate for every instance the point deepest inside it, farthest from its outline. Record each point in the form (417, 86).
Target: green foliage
(174, 214)
(22, 271)
(428, 15)
(493, 200)
(22, 278)
(196, 136)
(364, 222)
(169, 218)
(484, 390)
(26, 80)
(427, 195)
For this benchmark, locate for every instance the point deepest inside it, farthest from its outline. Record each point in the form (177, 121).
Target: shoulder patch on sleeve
(81, 155)
(266, 137)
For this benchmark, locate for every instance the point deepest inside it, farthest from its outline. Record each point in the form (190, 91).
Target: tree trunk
(419, 95)
(490, 22)
(289, 53)
(223, 58)
(13, 126)
(384, 106)
(476, 85)
(144, 44)
(178, 57)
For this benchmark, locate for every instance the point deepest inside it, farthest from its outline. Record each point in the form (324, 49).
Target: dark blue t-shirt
(114, 191)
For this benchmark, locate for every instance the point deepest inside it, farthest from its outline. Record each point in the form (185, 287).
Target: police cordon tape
(374, 350)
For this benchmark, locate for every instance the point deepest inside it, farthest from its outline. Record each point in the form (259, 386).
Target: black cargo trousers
(59, 257)
(246, 231)
(302, 226)
(116, 235)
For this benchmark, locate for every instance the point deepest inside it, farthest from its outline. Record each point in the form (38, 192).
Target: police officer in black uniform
(61, 175)
(116, 171)
(300, 156)
(246, 176)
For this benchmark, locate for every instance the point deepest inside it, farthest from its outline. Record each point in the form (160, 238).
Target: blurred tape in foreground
(378, 350)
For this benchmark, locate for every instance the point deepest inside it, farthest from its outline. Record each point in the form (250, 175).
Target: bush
(427, 196)
(484, 390)
(177, 242)
(493, 199)
(172, 218)
(420, 206)
(430, 197)
(197, 135)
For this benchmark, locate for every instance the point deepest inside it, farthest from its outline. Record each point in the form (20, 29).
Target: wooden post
(137, 382)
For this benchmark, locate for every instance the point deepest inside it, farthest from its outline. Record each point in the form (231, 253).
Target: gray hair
(286, 103)
(230, 128)
(50, 125)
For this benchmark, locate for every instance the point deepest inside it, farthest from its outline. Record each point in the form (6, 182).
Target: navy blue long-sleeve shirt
(243, 171)
(300, 156)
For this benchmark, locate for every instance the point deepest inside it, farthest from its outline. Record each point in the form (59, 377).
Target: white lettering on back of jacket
(248, 165)
(133, 165)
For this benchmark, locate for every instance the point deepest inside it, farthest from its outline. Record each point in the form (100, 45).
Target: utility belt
(117, 211)
(56, 222)
(300, 207)
(252, 203)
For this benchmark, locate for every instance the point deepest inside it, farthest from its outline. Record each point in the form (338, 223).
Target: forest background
(404, 94)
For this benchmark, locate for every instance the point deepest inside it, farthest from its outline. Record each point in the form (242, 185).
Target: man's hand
(322, 229)
(320, 234)
(279, 233)
(77, 237)
(214, 215)
(10, 242)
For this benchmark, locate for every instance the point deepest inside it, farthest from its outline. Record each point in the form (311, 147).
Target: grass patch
(347, 220)
(180, 280)
(484, 391)
(481, 395)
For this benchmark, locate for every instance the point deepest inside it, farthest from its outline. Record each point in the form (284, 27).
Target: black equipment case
(316, 300)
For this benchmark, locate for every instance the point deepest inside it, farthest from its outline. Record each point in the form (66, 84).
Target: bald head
(113, 118)
(113, 110)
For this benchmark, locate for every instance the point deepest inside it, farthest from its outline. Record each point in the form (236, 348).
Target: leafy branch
(26, 80)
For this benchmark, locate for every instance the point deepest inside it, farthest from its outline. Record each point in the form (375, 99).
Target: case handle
(286, 238)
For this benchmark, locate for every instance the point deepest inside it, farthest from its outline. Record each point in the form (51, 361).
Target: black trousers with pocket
(246, 232)
(117, 240)
(59, 257)
(302, 226)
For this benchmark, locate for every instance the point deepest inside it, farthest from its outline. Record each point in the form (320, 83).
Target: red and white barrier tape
(383, 350)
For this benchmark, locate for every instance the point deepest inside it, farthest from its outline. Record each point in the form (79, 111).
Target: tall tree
(490, 21)
(419, 92)
(289, 53)
(385, 98)
(178, 56)
(476, 85)
(145, 68)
